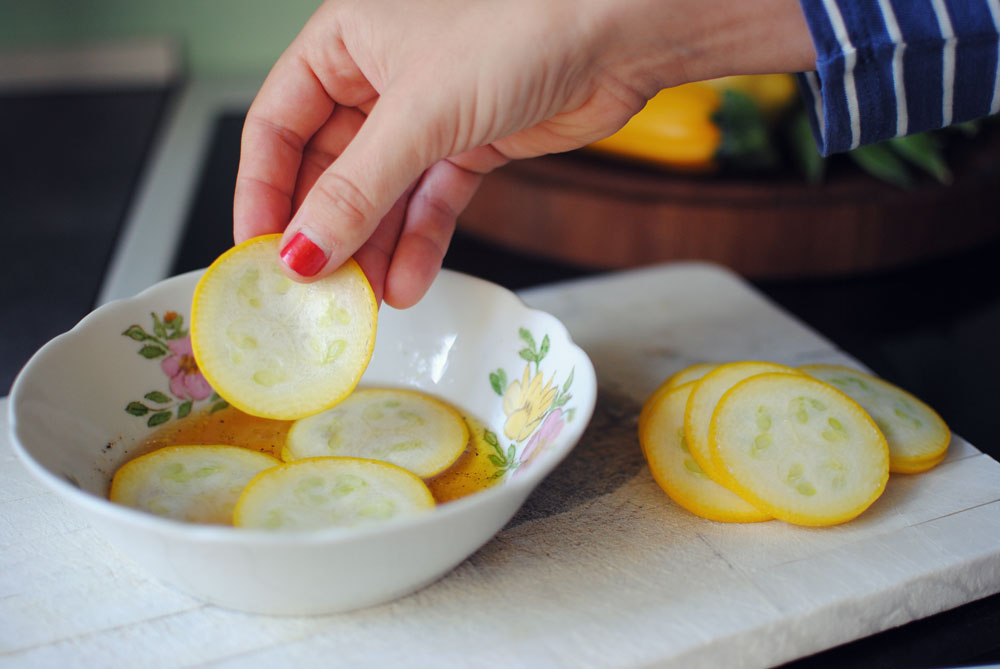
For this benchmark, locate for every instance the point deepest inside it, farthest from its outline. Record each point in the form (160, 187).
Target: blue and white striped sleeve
(887, 68)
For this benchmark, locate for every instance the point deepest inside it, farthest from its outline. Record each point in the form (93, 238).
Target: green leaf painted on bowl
(498, 381)
(136, 332)
(159, 418)
(151, 351)
(167, 342)
(158, 327)
(525, 334)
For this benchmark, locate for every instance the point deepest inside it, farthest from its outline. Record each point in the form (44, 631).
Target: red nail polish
(303, 256)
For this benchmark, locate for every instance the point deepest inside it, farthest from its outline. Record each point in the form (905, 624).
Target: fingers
(375, 255)
(431, 216)
(291, 106)
(349, 199)
(324, 147)
(409, 252)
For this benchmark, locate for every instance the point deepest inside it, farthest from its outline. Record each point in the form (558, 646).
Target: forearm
(668, 42)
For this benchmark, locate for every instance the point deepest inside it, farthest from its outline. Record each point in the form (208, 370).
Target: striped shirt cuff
(887, 68)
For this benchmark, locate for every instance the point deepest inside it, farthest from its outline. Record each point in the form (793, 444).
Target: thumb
(347, 202)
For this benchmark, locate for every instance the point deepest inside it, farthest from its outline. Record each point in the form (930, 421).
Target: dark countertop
(73, 160)
(70, 164)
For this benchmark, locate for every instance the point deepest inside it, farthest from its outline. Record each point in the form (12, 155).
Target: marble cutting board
(599, 568)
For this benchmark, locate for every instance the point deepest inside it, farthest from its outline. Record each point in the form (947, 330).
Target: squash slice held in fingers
(276, 348)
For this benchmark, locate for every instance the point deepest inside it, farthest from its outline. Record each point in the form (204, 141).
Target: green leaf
(176, 327)
(184, 409)
(497, 461)
(511, 453)
(969, 128)
(498, 380)
(569, 380)
(528, 354)
(528, 339)
(882, 163)
(561, 401)
(151, 351)
(158, 328)
(807, 158)
(136, 332)
(490, 438)
(158, 418)
(157, 396)
(219, 406)
(544, 349)
(137, 408)
(746, 138)
(924, 152)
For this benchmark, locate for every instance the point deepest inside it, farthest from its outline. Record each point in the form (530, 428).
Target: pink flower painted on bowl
(170, 343)
(186, 381)
(546, 434)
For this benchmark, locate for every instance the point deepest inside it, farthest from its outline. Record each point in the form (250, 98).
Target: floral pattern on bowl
(171, 342)
(534, 408)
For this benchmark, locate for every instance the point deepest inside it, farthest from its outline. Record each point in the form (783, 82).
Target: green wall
(217, 37)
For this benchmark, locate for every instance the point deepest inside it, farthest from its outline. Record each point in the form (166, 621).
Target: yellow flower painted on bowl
(526, 402)
(536, 410)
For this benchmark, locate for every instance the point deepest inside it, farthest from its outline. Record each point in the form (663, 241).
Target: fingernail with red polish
(303, 255)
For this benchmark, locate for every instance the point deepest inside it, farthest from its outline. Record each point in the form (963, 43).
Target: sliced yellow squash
(319, 493)
(406, 428)
(198, 484)
(918, 438)
(798, 449)
(705, 396)
(675, 380)
(673, 468)
(276, 348)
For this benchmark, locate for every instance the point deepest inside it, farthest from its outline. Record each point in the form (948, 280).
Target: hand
(374, 128)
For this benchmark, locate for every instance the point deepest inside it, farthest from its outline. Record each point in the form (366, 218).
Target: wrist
(662, 43)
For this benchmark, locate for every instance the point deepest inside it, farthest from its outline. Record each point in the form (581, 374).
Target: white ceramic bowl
(77, 406)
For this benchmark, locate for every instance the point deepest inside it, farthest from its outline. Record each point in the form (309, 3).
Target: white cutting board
(599, 568)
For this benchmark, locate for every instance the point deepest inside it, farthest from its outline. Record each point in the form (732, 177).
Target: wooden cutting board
(599, 568)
